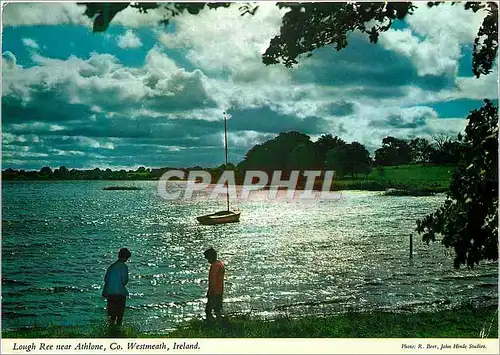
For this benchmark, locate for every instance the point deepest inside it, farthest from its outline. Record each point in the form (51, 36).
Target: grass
(465, 322)
(419, 174)
(100, 330)
(424, 177)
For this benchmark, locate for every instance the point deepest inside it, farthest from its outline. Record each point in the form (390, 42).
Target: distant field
(415, 174)
(431, 177)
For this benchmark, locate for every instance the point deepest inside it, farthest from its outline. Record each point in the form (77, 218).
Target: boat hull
(221, 217)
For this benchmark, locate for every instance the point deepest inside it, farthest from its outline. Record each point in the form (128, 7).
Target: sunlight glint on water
(283, 257)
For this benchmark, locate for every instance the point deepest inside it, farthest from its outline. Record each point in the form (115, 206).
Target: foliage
(465, 322)
(350, 159)
(393, 152)
(98, 330)
(303, 157)
(103, 13)
(61, 173)
(421, 150)
(308, 26)
(274, 154)
(443, 151)
(486, 42)
(46, 170)
(449, 153)
(324, 144)
(468, 220)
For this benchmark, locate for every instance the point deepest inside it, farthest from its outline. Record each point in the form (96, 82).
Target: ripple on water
(316, 258)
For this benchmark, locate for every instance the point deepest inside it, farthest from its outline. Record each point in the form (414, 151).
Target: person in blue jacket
(115, 280)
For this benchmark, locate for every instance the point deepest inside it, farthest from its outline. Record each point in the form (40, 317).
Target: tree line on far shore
(288, 151)
(295, 151)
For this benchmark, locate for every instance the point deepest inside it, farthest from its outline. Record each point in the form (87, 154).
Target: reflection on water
(290, 257)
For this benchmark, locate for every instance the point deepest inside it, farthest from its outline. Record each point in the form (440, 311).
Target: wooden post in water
(411, 245)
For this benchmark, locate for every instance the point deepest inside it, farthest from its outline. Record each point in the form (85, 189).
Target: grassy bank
(428, 177)
(458, 323)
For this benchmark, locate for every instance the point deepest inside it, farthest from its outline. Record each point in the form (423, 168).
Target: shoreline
(464, 322)
(339, 185)
(403, 180)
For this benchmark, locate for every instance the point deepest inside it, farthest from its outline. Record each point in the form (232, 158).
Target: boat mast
(225, 149)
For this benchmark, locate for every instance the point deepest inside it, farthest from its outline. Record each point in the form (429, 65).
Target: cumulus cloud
(9, 61)
(411, 117)
(105, 113)
(130, 17)
(28, 42)
(222, 41)
(29, 14)
(103, 82)
(129, 40)
(435, 36)
(91, 142)
(450, 126)
(485, 87)
(247, 138)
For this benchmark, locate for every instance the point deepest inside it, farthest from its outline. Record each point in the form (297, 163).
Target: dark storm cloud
(369, 66)
(266, 120)
(45, 107)
(187, 132)
(397, 121)
(341, 108)
(82, 152)
(405, 119)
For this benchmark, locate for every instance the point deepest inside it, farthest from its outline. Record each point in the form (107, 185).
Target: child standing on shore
(215, 285)
(114, 287)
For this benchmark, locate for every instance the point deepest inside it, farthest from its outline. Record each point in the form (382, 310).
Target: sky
(145, 94)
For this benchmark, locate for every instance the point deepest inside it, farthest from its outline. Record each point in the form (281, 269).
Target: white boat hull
(220, 217)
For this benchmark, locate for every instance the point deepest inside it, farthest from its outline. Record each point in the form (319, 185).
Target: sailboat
(226, 216)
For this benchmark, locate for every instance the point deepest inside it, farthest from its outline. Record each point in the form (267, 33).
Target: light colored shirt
(216, 279)
(116, 278)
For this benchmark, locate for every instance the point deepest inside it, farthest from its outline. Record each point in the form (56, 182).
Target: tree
(46, 170)
(337, 160)
(450, 152)
(309, 26)
(361, 161)
(385, 156)
(61, 173)
(274, 154)
(468, 220)
(302, 157)
(445, 150)
(421, 150)
(393, 152)
(324, 144)
(441, 139)
(103, 13)
(350, 159)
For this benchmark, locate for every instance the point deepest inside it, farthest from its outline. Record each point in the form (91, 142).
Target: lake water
(316, 257)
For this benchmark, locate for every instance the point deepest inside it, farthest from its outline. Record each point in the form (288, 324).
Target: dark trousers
(214, 303)
(116, 308)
